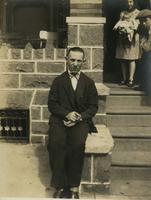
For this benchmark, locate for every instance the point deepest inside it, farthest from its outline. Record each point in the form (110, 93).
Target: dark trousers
(66, 153)
(146, 72)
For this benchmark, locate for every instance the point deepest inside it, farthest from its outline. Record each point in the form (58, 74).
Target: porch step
(127, 100)
(129, 120)
(128, 109)
(131, 132)
(132, 152)
(131, 181)
(115, 89)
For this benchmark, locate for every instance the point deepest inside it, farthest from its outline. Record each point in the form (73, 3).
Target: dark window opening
(14, 125)
(21, 21)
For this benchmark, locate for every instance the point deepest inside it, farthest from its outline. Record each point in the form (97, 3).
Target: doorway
(112, 9)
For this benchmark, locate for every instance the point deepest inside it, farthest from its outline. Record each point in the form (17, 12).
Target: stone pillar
(86, 8)
(88, 33)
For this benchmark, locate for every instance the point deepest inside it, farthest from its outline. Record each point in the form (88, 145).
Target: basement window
(14, 125)
(21, 21)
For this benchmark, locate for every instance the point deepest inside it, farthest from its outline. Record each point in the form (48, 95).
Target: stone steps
(128, 104)
(132, 152)
(115, 89)
(131, 181)
(128, 120)
(127, 100)
(131, 132)
(129, 110)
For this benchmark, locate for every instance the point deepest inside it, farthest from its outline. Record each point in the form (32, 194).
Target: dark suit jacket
(63, 99)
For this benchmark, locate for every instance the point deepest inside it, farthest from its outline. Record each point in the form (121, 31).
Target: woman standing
(128, 48)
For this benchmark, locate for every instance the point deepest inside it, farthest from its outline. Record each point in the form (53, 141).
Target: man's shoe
(74, 195)
(57, 193)
(62, 194)
(66, 193)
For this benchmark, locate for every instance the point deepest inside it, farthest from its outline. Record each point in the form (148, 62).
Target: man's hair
(75, 49)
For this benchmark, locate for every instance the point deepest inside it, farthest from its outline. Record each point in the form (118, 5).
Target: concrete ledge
(101, 142)
(102, 89)
(86, 20)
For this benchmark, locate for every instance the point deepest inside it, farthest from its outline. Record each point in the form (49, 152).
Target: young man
(145, 34)
(72, 101)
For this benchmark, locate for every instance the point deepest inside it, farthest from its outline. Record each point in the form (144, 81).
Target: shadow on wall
(43, 167)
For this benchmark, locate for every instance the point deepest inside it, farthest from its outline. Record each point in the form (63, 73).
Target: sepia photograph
(75, 99)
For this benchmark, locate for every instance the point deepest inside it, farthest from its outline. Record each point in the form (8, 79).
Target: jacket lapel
(68, 87)
(80, 87)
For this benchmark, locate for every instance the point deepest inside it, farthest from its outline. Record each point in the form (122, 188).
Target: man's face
(130, 4)
(146, 22)
(75, 61)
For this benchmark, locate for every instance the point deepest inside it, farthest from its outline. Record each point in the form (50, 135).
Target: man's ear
(84, 60)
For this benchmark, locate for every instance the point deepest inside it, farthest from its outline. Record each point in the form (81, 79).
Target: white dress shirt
(74, 79)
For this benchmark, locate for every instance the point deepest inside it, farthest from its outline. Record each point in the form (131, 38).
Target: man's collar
(77, 76)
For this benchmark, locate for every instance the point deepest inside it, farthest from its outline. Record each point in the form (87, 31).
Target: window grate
(14, 124)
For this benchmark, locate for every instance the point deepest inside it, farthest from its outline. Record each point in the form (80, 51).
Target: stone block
(49, 53)
(27, 52)
(46, 140)
(38, 54)
(15, 99)
(60, 54)
(96, 76)
(101, 142)
(102, 104)
(6, 66)
(9, 81)
(36, 81)
(102, 164)
(97, 58)
(102, 89)
(86, 8)
(100, 119)
(72, 35)
(15, 53)
(41, 98)
(95, 188)
(3, 52)
(45, 113)
(91, 35)
(36, 139)
(40, 128)
(87, 64)
(86, 172)
(50, 67)
(35, 113)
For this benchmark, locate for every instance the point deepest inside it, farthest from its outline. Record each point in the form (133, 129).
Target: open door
(112, 9)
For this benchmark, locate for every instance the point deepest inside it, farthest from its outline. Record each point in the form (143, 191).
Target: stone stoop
(97, 165)
(129, 121)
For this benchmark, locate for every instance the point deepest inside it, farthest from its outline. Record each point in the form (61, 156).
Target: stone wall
(26, 76)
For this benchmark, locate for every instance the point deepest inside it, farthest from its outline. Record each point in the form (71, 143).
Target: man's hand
(73, 116)
(69, 123)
